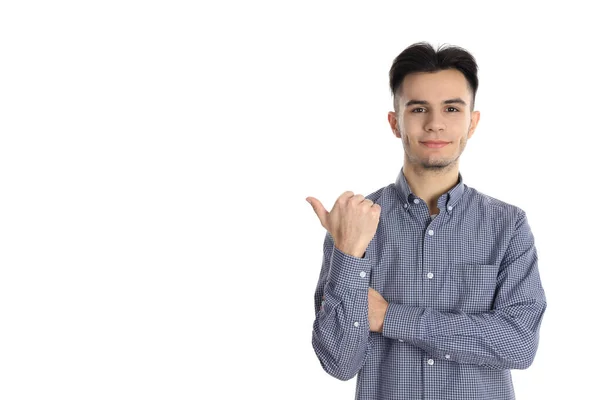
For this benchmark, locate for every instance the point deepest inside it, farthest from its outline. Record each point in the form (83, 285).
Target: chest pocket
(470, 288)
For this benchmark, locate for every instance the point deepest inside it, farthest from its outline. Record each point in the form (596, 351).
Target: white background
(155, 156)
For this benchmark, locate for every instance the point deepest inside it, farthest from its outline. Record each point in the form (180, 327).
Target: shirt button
(430, 362)
(430, 232)
(357, 324)
(449, 208)
(447, 356)
(405, 205)
(363, 274)
(400, 340)
(429, 275)
(416, 201)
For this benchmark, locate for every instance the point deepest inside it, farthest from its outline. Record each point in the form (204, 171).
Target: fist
(377, 308)
(352, 221)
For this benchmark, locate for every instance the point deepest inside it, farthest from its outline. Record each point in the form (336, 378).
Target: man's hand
(377, 309)
(352, 221)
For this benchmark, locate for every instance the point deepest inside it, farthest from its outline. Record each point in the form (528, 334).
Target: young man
(428, 289)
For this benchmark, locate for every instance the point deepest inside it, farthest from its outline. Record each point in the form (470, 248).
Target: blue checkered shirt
(464, 292)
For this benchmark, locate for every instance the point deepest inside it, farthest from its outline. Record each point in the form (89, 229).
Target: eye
(454, 108)
(418, 108)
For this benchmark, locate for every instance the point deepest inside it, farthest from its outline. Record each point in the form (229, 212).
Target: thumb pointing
(319, 210)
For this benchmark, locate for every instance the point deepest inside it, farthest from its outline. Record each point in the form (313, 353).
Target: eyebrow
(457, 100)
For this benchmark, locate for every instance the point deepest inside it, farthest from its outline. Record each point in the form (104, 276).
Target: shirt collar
(448, 199)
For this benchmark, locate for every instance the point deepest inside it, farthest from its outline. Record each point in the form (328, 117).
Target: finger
(376, 208)
(372, 295)
(321, 212)
(357, 198)
(345, 196)
(369, 205)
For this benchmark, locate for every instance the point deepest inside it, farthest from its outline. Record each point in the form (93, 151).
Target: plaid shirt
(464, 292)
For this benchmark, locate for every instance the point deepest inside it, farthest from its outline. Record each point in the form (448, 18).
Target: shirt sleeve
(340, 335)
(506, 337)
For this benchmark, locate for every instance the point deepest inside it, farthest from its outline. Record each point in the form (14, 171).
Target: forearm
(341, 327)
(340, 333)
(505, 337)
(500, 339)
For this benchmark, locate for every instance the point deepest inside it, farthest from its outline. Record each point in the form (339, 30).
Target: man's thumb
(319, 210)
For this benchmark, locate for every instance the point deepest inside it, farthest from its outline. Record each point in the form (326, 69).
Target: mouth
(435, 144)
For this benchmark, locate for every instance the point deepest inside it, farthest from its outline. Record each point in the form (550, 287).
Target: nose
(435, 123)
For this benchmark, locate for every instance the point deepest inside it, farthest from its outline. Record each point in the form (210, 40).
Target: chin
(436, 164)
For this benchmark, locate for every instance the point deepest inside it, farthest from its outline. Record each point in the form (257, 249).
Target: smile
(434, 144)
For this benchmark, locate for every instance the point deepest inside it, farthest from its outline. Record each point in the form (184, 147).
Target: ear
(474, 121)
(393, 121)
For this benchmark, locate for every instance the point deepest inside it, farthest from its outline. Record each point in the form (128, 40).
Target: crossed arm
(506, 337)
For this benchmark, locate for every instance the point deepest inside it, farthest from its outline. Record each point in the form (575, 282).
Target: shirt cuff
(402, 322)
(349, 271)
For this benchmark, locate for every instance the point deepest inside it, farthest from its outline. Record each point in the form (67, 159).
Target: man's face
(433, 118)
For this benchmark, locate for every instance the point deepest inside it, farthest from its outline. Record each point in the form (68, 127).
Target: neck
(430, 184)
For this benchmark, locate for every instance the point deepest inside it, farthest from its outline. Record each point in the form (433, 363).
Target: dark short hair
(421, 57)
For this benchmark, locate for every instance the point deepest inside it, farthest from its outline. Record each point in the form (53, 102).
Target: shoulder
(492, 207)
(388, 199)
(383, 196)
(377, 195)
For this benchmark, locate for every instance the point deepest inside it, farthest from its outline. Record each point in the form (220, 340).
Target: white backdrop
(155, 156)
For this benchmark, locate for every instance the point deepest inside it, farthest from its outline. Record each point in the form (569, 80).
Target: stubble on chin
(433, 165)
